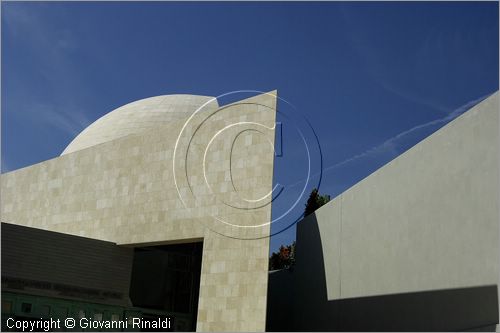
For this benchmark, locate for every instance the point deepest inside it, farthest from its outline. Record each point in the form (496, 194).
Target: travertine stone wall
(125, 191)
(137, 117)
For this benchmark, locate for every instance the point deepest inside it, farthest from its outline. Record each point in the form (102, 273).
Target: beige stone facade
(171, 178)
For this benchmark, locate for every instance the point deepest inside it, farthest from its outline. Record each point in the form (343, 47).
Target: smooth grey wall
(427, 220)
(302, 294)
(419, 237)
(280, 297)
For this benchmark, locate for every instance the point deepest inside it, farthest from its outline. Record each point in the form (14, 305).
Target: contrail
(392, 141)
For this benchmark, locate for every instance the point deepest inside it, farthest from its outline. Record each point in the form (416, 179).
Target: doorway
(166, 280)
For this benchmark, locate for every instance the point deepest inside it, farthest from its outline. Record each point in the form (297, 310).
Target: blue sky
(372, 79)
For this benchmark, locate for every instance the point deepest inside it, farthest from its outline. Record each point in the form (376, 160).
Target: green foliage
(315, 201)
(283, 259)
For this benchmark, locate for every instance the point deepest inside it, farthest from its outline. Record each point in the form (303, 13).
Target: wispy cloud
(51, 43)
(68, 122)
(56, 106)
(394, 142)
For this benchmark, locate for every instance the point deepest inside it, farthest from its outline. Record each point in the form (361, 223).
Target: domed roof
(137, 117)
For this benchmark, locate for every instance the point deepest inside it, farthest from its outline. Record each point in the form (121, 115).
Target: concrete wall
(33, 261)
(426, 221)
(280, 299)
(124, 191)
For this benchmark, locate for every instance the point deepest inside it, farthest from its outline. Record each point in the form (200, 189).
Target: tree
(284, 258)
(315, 201)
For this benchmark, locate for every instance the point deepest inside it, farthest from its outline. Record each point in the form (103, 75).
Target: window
(98, 316)
(115, 317)
(81, 314)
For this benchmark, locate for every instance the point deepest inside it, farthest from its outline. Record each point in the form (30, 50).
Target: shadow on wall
(297, 300)
(280, 312)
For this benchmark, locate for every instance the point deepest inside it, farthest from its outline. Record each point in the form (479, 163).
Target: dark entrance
(166, 279)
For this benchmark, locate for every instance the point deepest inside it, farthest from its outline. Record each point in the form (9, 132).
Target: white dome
(137, 117)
